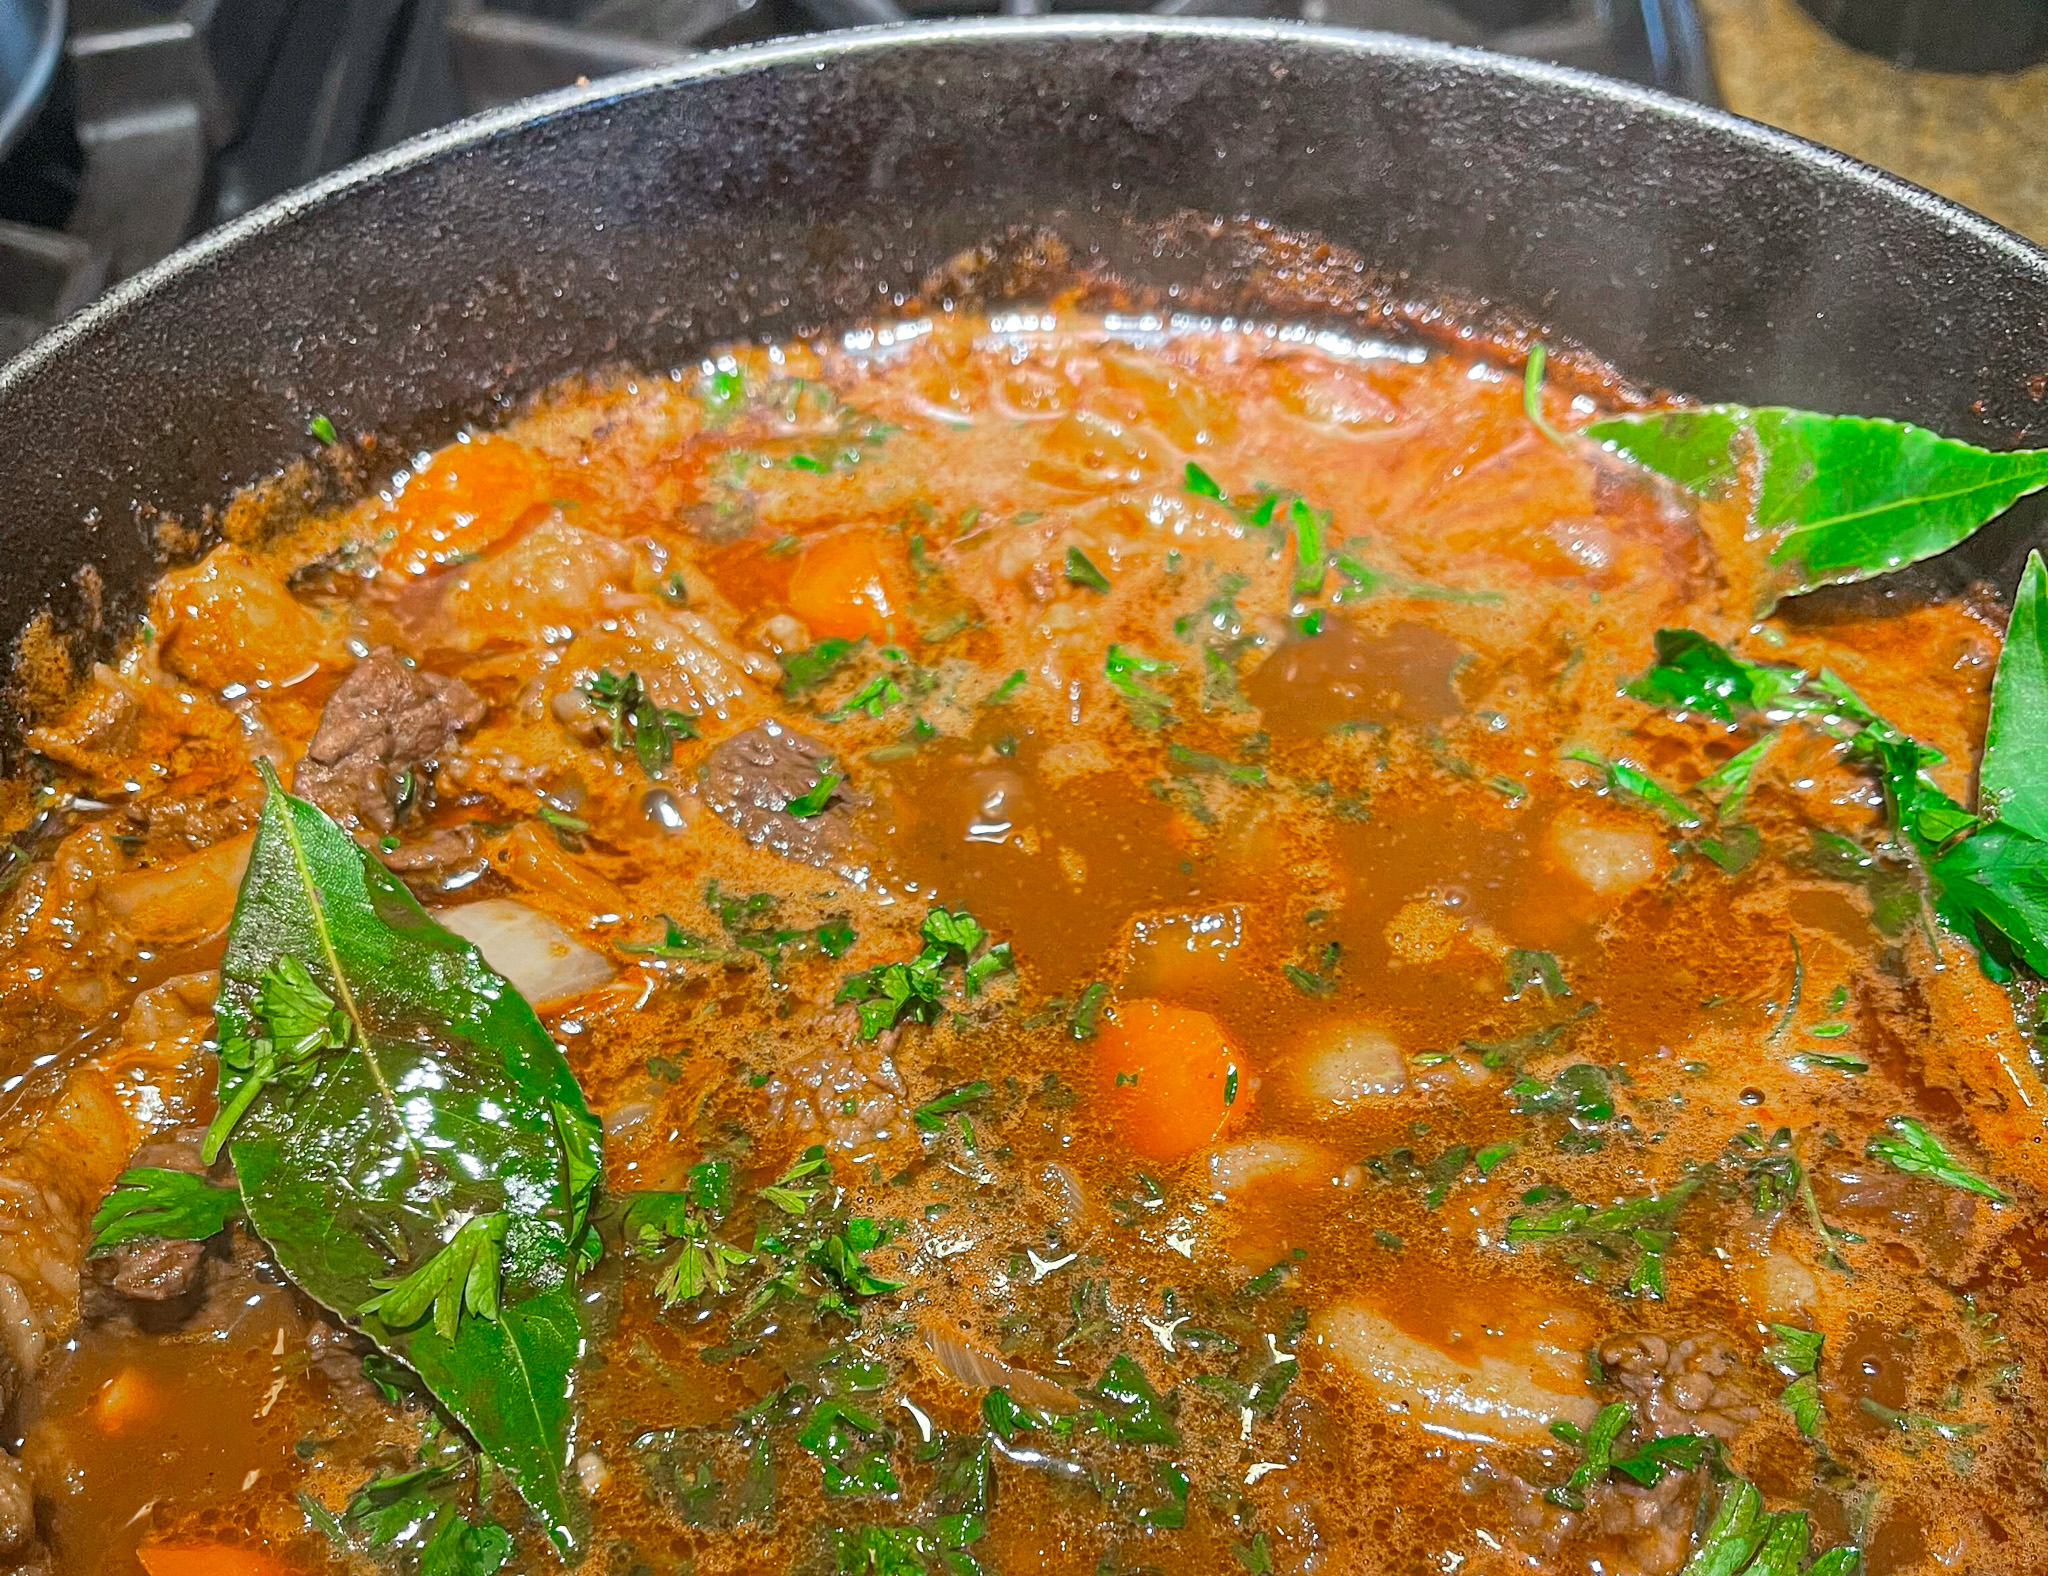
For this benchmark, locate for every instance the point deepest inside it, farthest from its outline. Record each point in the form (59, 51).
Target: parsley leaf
(852, 1446)
(1322, 979)
(1125, 1406)
(1583, 1092)
(874, 697)
(1910, 1147)
(1311, 529)
(807, 669)
(1646, 1464)
(1631, 781)
(813, 800)
(1796, 1354)
(1127, 671)
(1081, 572)
(931, 1116)
(462, 1278)
(1540, 969)
(1087, 1013)
(154, 1202)
(912, 990)
(458, 1548)
(653, 731)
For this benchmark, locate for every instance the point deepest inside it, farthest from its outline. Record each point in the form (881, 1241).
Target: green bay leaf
(2014, 776)
(443, 1100)
(1839, 498)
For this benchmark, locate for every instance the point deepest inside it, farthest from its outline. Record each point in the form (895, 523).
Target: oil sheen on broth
(1233, 680)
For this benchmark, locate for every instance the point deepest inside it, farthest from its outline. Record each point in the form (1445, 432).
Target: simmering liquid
(1254, 689)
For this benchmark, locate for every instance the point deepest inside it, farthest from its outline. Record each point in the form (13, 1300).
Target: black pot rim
(280, 212)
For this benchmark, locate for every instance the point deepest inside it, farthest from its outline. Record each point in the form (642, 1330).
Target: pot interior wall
(772, 191)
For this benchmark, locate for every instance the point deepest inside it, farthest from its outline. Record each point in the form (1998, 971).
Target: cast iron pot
(776, 189)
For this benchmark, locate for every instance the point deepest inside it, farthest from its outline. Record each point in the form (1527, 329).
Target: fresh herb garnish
(1532, 393)
(1918, 1422)
(1081, 572)
(1645, 1465)
(323, 429)
(1908, 1146)
(814, 799)
(1796, 1354)
(1540, 969)
(1320, 980)
(337, 991)
(1127, 670)
(1840, 498)
(874, 697)
(807, 669)
(1087, 1013)
(750, 932)
(653, 731)
(154, 1202)
(1311, 528)
(1744, 1539)
(1248, 775)
(1632, 782)
(931, 1116)
(912, 991)
(1631, 1226)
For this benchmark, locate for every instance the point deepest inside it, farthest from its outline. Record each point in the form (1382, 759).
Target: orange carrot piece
(123, 1401)
(207, 1559)
(849, 584)
(1169, 1078)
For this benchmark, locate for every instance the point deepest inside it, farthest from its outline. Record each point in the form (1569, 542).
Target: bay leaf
(1838, 498)
(445, 1099)
(2013, 780)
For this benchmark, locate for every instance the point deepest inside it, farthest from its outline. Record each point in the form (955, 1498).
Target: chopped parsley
(652, 731)
(1127, 671)
(1082, 572)
(814, 799)
(1908, 1146)
(912, 991)
(807, 669)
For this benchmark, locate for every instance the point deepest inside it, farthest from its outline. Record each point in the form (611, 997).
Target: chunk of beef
(337, 1354)
(158, 1271)
(1695, 1385)
(750, 780)
(444, 849)
(384, 720)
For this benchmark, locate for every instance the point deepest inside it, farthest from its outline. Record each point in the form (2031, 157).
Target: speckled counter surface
(1981, 140)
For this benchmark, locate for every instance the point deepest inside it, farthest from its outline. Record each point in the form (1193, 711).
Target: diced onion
(543, 961)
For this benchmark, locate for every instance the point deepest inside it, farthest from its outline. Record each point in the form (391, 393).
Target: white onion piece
(1235, 1167)
(1492, 1398)
(1348, 1064)
(544, 963)
(981, 1370)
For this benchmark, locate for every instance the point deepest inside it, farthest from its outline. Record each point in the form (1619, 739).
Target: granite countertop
(1982, 140)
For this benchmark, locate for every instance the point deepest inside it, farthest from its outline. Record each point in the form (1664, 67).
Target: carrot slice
(123, 1400)
(849, 584)
(207, 1559)
(472, 495)
(1168, 1077)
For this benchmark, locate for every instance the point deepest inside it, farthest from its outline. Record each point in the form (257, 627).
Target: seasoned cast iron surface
(769, 190)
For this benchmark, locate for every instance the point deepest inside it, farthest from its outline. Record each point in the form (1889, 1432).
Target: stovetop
(166, 117)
